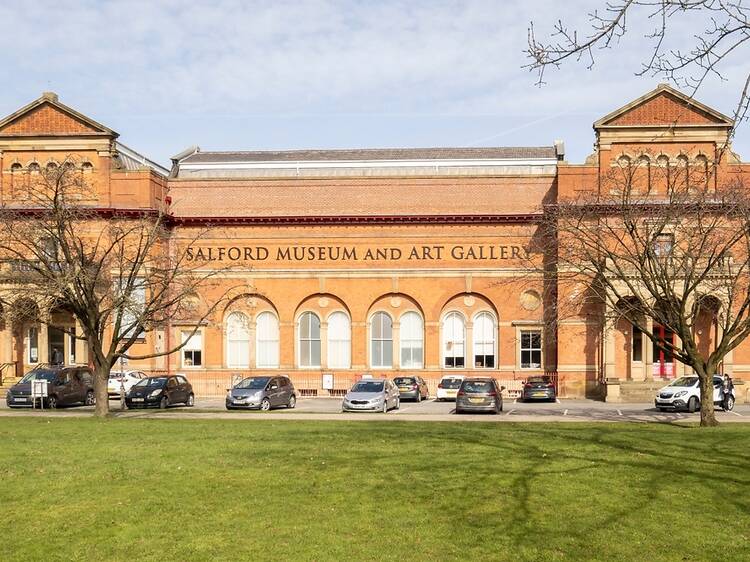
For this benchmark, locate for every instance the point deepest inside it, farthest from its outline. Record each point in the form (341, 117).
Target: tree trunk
(101, 377)
(708, 416)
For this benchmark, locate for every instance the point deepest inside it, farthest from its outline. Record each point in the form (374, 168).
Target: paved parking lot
(430, 410)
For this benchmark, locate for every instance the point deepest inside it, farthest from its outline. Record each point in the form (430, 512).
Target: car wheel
(265, 405)
(385, 406)
(190, 401)
(398, 402)
(163, 403)
(52, 402)
(292, 402)
(90, 398)
(692, 405)
(729, 404)
(419, 396)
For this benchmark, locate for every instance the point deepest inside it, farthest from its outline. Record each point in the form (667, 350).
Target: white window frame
(310, 339)
(186, 334)
(229, 341)
(475, 341)
(403, 340)
(444, 340)
(342, 341)
(29, 347)
(521, 349)
(261, 342)
(373, 365)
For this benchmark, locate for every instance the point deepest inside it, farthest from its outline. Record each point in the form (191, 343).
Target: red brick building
(378, 261)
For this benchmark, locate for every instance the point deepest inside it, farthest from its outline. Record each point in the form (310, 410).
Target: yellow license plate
(476, 400)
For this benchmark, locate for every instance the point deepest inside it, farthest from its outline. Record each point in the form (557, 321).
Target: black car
(66, 386)
(412, 388)
(479, 394)
(160, 392)
(539, 388)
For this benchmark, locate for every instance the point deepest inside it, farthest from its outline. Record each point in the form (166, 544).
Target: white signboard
(39, 388)
(327, 381)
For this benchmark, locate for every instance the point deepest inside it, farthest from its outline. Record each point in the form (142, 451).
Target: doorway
(663, 361)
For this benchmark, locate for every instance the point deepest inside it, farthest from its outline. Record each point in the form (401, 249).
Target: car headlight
(155, 393)
(680, 393)
(376, 400)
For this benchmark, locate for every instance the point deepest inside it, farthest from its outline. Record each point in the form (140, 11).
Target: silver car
(371, 395)
(262, 393)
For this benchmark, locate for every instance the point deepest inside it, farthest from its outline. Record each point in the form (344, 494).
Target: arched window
(381, 341)
(411, 338)
(454, 339)
(87, 167)
(624, 161)
(643, 181)
(238, 341)
(309, 340)
(484, 340)
(701, 168)
(339, 341)
(52, 166)
(267, 340)
(34, 168)
(16, 167)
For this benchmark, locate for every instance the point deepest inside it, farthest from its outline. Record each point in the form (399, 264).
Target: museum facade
(374, 261)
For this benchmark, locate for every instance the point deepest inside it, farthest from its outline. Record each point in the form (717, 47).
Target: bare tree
(722, 29)
(119, 273)
(667, 252)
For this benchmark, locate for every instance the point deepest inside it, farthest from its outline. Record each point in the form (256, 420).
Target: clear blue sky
(249, 75)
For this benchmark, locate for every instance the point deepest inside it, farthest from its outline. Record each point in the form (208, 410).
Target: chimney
(49, 96)
(560, 150)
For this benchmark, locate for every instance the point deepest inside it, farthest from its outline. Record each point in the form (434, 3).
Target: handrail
(4, 366)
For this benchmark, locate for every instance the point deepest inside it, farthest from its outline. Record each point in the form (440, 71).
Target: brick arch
(323, 304)
(394, 304)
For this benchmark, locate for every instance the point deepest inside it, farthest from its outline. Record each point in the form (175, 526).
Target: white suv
(685, 394)
(448, 387)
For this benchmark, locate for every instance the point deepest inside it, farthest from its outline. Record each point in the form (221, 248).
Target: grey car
(479, 394)
(262, 393)
(371, 395)
(412, 388)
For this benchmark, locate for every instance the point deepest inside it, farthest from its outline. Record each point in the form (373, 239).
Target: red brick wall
(662, 110)
(46, 120)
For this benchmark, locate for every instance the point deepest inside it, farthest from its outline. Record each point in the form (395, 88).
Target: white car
(448, 387)
(685, 394)
(118, 379)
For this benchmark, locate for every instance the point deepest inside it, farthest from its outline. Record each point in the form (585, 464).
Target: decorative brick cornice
(357, 220)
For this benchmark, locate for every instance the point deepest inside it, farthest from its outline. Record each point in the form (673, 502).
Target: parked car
(448, 387)
(160, 392)
(538, 388)
(262, 393)
(685, 394)
(479, 394)
(119, 379)
(66, 386)
(373, 395)
(412, 388)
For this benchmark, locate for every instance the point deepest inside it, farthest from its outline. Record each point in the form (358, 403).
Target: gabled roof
(47, 116)
(664, 107)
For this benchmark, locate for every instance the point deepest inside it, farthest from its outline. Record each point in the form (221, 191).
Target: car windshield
(451, 383)
(403, 380)
(39, 374)
(368, 386)
(477, 386)
(152, 381)
(684, 381)
(253, 382)
(538, 380)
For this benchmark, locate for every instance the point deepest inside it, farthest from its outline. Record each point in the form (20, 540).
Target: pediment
(664, 107)
(46, 116)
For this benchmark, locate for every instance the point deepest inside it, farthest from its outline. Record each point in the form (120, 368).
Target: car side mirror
(502, 388)
(274, 387)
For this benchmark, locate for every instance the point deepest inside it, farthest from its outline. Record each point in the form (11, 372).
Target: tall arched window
(411, 338)
(381, 341)
(701, 168)
(309, 340)
(643, 179)
(454, 339)
(483, 333)
(339, 341)
(238, 341)
(267, 340)
(681, 173)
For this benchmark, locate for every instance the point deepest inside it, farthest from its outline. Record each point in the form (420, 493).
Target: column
(679, 366)
(43, 343)
(396, 335)
(469, 344)
(609, 352)
(323, 343)
(648, 351)
(81, 347)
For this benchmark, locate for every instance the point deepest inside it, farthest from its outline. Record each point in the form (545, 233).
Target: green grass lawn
(124, 489)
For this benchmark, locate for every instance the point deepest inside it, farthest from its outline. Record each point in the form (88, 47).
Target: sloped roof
(664, 106)
(47, 116)
(369, 154)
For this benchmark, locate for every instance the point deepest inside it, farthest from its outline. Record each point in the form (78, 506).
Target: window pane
(315, 353)
(267, 344)
(339, 341)
(453, 340)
